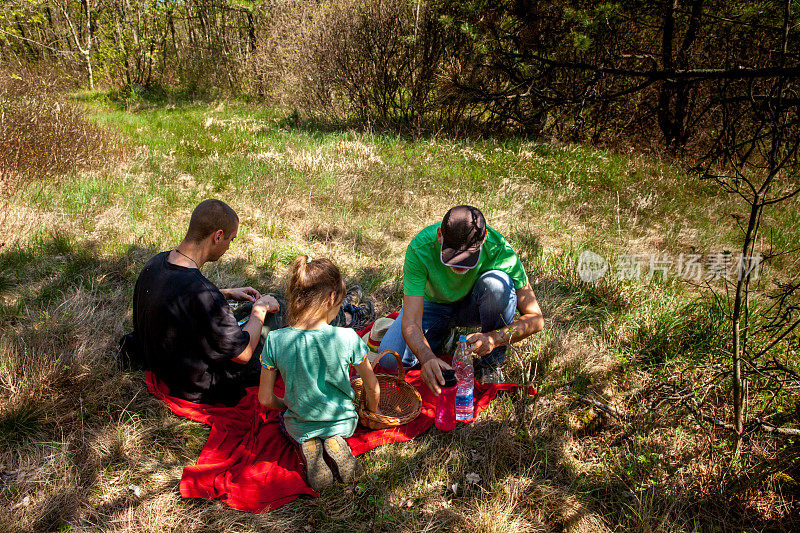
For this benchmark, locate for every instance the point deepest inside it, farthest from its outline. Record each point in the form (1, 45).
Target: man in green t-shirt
(461, 272)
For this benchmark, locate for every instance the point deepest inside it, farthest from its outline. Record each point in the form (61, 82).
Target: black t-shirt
(187, 333)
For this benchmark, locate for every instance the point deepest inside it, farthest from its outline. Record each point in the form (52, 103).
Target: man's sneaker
(362, 315)
(488, 374)
(350, 468)
(356, 317)
(319, 475)
(354, 295)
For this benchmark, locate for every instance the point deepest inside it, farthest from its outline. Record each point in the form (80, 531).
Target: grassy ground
(76, 434)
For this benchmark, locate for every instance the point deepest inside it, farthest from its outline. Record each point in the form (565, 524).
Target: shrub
(375, 61)
(42, 133)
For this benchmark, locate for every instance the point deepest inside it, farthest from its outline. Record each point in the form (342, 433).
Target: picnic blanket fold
(250, 465)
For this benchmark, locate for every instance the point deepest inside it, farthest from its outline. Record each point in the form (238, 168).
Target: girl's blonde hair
(311, 284)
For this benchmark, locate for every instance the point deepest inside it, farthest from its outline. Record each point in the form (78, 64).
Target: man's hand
(241, 294)
(481, 344)
(265, 304)
(432, 374)
(529, 322)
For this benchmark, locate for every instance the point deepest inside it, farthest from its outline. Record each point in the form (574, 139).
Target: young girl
(314, 359)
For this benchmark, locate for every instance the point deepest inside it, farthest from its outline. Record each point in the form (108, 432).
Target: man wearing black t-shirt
(187, 332)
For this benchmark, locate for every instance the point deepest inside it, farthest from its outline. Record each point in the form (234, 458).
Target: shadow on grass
(75, 432)
(136, 98)
(404, 129)
(386, 297)
(572, 304)
(83, 429)
(354, 237)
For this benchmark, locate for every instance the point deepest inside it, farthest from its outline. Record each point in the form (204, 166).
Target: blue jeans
(491, 305)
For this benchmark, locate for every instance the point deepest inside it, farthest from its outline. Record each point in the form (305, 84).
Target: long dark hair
(311, 284)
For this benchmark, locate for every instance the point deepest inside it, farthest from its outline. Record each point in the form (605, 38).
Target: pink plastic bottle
(446, 404)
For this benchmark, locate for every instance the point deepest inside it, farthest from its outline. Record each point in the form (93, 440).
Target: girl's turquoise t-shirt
(315, 367)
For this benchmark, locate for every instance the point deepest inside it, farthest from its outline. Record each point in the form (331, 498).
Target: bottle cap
(462, 338)
(449, 378)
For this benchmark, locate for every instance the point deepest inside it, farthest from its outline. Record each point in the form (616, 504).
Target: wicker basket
(399, 404)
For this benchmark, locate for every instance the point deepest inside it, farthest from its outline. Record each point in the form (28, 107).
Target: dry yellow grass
(77, 435)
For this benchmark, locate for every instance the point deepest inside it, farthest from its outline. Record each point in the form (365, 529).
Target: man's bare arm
(241, 294)
(529, 322)
(411, 326)
(262, 306)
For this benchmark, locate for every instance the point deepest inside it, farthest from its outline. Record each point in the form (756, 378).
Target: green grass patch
(358, 197)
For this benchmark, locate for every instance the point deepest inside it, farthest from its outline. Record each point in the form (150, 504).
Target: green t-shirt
(425, 275)
(315, 365)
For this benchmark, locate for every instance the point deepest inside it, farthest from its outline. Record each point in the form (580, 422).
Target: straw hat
(374, 336)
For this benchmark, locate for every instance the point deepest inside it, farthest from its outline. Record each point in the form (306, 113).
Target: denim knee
(389, 363)
(496, 298)
(494, 288)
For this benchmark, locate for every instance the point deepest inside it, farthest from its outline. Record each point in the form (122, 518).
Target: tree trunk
(673, 97)
(251, 31)
(87, 50)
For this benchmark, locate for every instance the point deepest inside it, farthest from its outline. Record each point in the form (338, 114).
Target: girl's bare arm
(266, 394)
(371, 386)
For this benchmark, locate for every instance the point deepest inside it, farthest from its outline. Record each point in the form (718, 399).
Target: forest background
(658, 135)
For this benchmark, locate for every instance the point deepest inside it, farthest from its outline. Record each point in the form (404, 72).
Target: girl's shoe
(319, 475)
(350, 468)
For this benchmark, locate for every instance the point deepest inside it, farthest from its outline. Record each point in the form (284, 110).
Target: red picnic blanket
(250, 465)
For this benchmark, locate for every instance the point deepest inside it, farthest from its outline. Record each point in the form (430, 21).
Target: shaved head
(210, 216)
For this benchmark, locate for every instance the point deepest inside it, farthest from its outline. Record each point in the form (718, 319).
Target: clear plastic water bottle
(462, 364)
